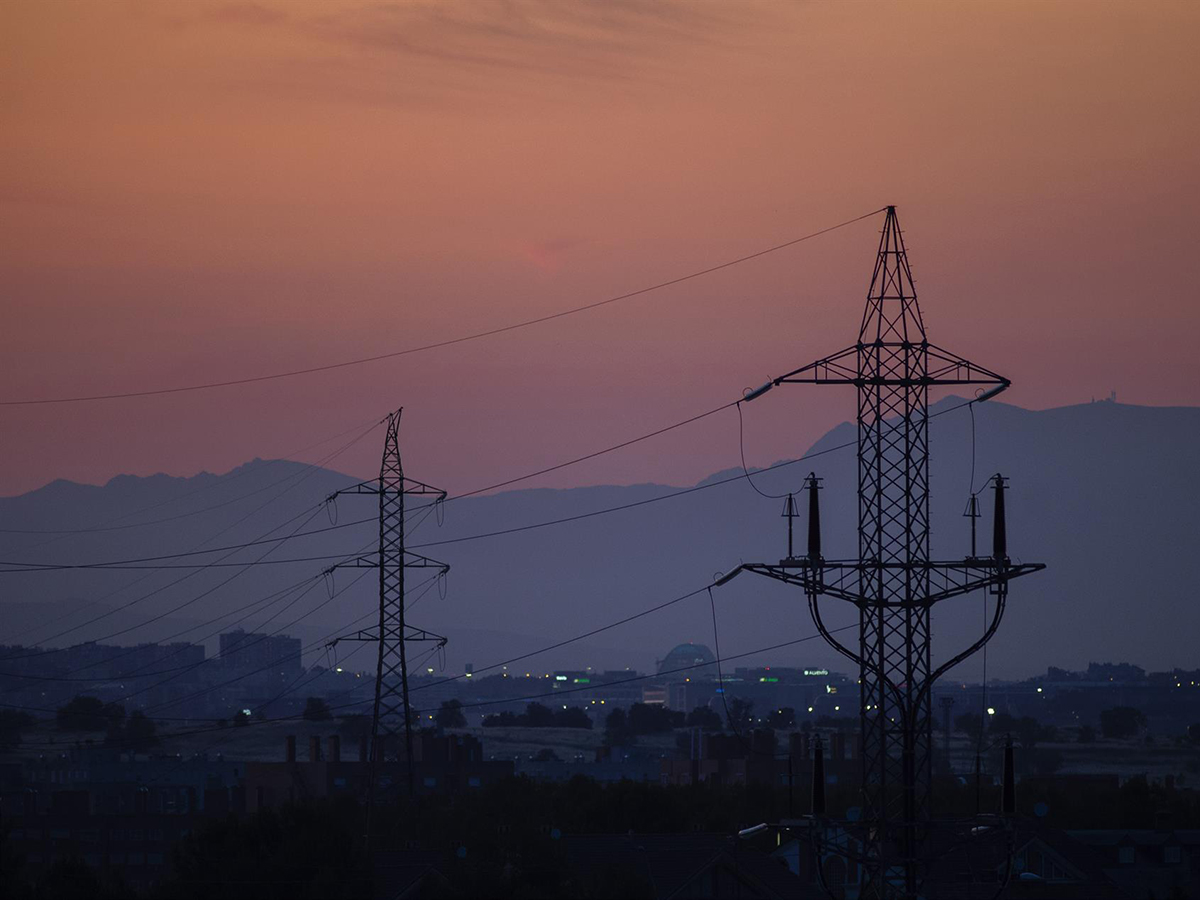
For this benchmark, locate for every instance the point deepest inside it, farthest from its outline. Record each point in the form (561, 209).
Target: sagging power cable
(491, 332)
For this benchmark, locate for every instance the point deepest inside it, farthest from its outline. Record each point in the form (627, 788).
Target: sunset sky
(203, 191)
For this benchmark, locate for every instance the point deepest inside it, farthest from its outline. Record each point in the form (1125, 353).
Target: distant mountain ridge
(1104, 493)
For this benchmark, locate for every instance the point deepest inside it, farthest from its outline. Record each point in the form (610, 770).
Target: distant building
(253, 652)
(685, 656)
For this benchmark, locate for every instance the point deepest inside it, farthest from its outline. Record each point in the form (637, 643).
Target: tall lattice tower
(391, 711)
(894, 583)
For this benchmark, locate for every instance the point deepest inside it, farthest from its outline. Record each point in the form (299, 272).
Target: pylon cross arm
(949, 368)
(843, 580)
(840, 368)
(411, 561)
(406, 486)
(410, 634)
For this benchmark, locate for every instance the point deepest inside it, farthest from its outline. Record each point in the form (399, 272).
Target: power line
(24, 566)
(594, 454)
(578, 637)
(146, 596)
(319, 642)
(119, 564)
(302, 476)
(224, 481)
(742, 453)
(445, 343)
(556, 692)
(253, 607)
(239, 648)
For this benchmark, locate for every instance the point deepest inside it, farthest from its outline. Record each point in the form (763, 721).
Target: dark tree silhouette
(740, 714)
(704, 717)
(84, 713)
(449, 715)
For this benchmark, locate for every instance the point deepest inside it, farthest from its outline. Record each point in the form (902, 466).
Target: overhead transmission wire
(635, 678)
(650, 500)
(124, 564)
(300, 476)
(482, 334)
(560, 644)
(443, 343)
(219, 481)
(500, 532)
(24, 566)
(116, 566)
(253, 607)
(243, 646)
(423, 587)
(563, 643)
(122, 607)
(41, 651)
(319, 642)
(475, 704)
(273, 663)
(428, 508)
(311, 582)
(745, 468)
(291, 688)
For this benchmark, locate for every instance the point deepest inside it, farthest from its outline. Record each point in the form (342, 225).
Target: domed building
(685, 655)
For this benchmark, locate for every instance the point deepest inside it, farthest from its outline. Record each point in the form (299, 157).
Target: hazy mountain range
(1104, 493)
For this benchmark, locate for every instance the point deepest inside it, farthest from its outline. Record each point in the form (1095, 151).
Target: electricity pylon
(894, 583)
(391, 711)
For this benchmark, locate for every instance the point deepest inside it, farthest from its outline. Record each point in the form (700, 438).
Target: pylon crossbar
(851, 581)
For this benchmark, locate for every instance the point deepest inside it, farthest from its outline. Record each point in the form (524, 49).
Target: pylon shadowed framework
(894, 583)
(391, 712)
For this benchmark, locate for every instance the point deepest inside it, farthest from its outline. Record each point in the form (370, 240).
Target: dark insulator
(814, 519)
(999, 532)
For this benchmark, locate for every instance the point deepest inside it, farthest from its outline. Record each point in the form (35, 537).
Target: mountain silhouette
(1102, 493)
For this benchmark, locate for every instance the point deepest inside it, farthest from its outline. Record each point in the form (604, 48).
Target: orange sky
(196, 191)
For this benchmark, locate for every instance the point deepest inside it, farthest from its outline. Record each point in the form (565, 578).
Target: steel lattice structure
(894, 583)
(391, 712)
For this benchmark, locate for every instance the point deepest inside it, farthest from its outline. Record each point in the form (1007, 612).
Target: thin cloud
(418, 51)
(547, 256)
